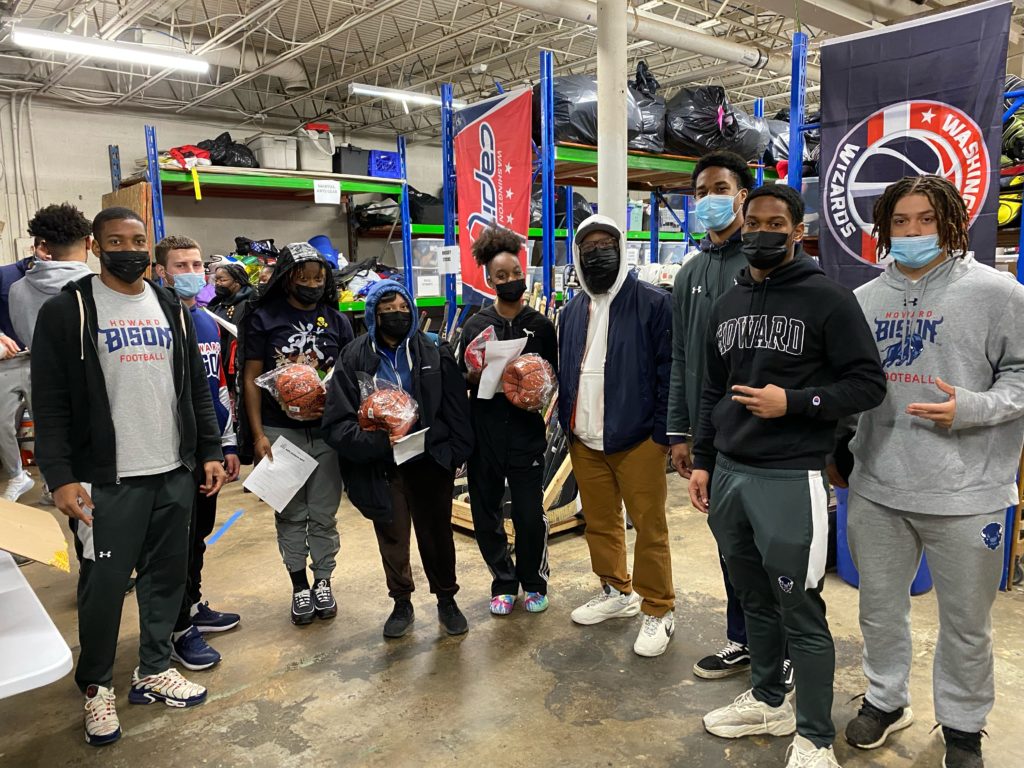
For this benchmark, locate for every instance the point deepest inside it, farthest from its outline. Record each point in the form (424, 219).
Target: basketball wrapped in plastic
(528, 382)
(388, 409)
(475, 350)
(297, 389)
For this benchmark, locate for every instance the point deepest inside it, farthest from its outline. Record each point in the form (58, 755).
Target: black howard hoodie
(797, 330)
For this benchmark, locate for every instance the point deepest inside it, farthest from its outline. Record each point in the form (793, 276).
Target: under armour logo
(696, 289)
(912, 302)
(105, 554)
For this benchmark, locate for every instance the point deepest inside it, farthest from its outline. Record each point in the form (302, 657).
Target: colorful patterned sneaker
(535, 602)
(101, 723)
(205, 619)
(169, 687)
(501, 605)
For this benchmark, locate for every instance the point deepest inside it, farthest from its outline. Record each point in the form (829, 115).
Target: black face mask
(222, 291)
(307, 295)
(765, 250)
(126, 266)
(513, 290)
(395, 325)
(600, 268)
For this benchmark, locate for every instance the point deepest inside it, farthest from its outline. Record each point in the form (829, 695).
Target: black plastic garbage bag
(224, 151)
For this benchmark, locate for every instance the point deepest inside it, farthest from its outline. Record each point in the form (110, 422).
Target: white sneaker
(803, 754)
(654, 635)
(610, 604)
(747, 716)
(101, 723)
(169, 687)
(18, 486)
(46, 497)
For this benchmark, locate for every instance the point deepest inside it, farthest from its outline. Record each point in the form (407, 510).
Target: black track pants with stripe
(772, 529)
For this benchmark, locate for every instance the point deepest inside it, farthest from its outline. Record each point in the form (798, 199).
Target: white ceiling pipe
(646, 26)
(292, 75)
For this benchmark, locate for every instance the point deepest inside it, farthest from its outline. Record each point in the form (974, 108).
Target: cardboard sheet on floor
(33, 533)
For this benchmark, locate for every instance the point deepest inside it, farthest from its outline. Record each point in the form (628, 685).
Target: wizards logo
(911, 138)
(906, 337)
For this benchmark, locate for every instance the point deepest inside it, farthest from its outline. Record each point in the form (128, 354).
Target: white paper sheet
(497, 354)
(229, 327)
(410, 446)
(276, 482)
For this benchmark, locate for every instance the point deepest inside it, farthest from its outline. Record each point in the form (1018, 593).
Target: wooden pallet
(560, 519)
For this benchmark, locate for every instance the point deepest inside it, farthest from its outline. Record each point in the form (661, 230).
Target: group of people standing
(751, 376)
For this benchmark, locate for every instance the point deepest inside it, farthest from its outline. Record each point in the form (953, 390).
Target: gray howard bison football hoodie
(962, 322)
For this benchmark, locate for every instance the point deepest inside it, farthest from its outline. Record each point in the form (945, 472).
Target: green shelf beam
(276, 183)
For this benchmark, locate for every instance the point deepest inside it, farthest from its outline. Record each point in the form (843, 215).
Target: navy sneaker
(208, 620)
(169, 687)
(191, 651)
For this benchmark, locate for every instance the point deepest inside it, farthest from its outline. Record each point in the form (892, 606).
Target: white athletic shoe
(169, 687)
(803, 754)
(747, 716)
(101, 723)
(18, 486)
(610, 604)
(654, 635)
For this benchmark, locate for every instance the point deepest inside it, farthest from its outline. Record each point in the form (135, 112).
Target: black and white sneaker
(323, 600)
(788, 676)
(302, 607)
(963, 750)
(872, 726)
(729, 661)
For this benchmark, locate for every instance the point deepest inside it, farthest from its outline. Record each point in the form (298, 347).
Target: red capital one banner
(493, 169)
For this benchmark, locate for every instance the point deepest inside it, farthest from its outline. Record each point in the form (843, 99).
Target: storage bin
(844, 560)
(274, 152)
(316, 154)
(385, 165)
(352, 161)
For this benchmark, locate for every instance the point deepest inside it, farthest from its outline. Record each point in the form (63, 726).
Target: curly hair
(782, 192)
(730, 161)
(950, 212)
(493, 241)
(60, 226)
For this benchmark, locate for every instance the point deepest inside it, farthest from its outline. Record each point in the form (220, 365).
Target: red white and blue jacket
(208, 336)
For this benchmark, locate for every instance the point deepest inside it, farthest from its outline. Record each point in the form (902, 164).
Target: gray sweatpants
(965, 556)
(15, 389)
(308, 526)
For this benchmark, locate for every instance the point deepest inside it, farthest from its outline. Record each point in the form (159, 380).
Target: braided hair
(950, 212)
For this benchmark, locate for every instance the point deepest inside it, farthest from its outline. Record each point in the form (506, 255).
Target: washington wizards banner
(923, 97)
(493, 171)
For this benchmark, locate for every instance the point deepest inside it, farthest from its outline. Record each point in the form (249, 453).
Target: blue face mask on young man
(716, 212)
(188, 285)
(915, 252)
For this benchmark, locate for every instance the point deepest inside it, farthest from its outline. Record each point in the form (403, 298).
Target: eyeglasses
(594, 245)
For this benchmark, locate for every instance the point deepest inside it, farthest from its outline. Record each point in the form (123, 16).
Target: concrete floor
(523, 690)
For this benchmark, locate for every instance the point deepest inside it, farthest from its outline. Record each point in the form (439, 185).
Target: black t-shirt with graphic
(278, 334)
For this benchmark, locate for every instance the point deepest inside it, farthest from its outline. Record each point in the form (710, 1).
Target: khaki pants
(636, 476)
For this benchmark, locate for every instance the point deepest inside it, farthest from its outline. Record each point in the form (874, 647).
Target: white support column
(611, 113)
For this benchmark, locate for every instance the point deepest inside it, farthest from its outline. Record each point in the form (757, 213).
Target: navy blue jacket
(637, 366)
(9, 275)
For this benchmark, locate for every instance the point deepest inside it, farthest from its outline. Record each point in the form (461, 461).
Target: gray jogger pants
(965, 556)
(308, 526)
(15, 389)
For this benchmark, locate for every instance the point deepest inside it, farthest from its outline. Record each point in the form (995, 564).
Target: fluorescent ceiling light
(405, 97)
(106, 49)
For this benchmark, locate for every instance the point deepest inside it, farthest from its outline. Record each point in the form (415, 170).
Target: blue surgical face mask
(188, 284)
(915, 252)
(715, 212)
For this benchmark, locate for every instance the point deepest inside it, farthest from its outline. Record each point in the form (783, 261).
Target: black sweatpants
(140, 524)
(489, 466)
(772, 529)
(421, 498)
(204, 517)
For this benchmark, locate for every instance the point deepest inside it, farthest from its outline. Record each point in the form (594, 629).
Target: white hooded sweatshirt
(589, 421)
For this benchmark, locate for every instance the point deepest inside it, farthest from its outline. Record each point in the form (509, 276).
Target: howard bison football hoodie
(960, 322)
(797, 330)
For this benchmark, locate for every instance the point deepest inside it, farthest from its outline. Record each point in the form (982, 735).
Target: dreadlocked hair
(950, 212)
(493, 241)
